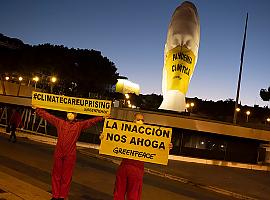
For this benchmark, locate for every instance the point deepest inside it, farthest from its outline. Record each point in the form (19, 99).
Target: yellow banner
(71, 104)
(179, 65)
(136, 141)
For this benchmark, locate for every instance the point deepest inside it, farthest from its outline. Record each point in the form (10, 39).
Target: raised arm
(90, 122)
(53, 120)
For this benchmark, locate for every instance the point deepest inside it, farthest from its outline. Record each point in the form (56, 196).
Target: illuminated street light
(36, 79)
(247, 113)
(267, 121)
(187, 106)
(236, 113)
(53, 79)
(191, 106)
(7, 78)
(129, 105)
(20, 79)
(127, 96)
(128, 102)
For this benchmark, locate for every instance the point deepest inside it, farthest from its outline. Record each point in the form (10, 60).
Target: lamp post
(247, 113)
(240, 72)
(3, 84)
(191, 106)
(53, 80)
(187, 106)
(237, 111)
(36, 79)
(20, 80)
(267, 120)
(127, 101)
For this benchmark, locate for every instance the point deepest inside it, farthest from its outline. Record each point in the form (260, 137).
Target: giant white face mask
(180, 56)
(71, 116)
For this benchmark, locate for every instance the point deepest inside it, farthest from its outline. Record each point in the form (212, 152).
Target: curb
(220, 163)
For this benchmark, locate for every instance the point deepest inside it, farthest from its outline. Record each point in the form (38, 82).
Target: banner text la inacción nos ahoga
(136, 141)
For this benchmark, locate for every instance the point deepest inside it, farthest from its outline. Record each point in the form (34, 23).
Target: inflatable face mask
(180, 56)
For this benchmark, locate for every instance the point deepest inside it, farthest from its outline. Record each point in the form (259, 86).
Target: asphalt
(232, 182)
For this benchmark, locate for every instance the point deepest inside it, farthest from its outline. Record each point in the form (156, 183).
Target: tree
(79, 71)
(150, 101)
(265, 94)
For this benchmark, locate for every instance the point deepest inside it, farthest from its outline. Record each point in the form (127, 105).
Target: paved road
(93, 178)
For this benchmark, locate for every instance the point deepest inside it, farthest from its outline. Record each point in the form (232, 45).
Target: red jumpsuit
(16, 119)
(65, 150)
(129, 180)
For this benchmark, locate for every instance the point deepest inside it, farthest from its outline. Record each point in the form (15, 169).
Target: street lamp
(247, 113)
(268, 120)
(126, 100)
(20, 79)
(187, 106)
(7, 78)
(53, 80)
(36, 79)
(236, 113)
(191, 106)
(127, 96)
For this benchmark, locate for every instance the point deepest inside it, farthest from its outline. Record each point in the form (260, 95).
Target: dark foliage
(79, 71)
(265, 94)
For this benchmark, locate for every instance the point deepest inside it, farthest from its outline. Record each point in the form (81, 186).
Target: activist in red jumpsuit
(65, 151)
(14, 123)
(129, 176)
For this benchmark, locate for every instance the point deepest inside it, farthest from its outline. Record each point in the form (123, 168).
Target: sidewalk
(12, 188)
(233, 182)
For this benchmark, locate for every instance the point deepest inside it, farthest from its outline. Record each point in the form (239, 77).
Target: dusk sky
(132, 34)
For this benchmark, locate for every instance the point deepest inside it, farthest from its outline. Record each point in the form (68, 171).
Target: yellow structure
(125, 86)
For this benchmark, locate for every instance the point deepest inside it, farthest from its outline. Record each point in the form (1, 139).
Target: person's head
(71, 116)
(139, 118)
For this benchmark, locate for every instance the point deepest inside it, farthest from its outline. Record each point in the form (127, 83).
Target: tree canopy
(265, 94)
(79, 71)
